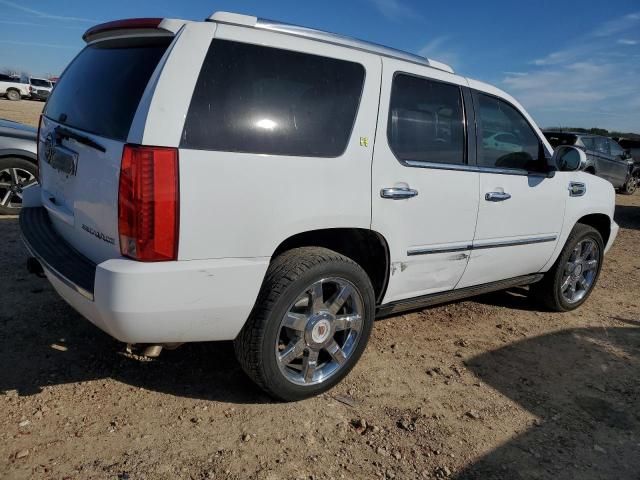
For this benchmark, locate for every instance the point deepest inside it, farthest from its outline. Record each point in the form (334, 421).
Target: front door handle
(496, 196)
(398, 193)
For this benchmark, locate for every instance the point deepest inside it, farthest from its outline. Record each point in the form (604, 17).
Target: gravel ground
(486, 388)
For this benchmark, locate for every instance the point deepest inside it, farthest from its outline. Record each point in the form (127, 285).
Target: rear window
(37, 82)
(100, 90)
(256, 99)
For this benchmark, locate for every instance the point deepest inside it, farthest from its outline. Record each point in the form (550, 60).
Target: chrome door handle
(398, 193)
(496, 196)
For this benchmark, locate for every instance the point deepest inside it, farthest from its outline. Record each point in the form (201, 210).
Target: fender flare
(11, 152)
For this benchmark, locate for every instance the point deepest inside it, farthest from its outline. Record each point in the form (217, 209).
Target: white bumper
(167, 302)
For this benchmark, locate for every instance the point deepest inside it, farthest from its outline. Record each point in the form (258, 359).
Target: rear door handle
(496, 196)
(398, 193)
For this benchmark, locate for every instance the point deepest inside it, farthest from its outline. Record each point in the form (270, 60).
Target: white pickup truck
(242, 179)
(13, 88)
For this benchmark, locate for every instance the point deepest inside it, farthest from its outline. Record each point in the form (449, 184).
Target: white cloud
(394, 9)
(591, 82)
(44, 15)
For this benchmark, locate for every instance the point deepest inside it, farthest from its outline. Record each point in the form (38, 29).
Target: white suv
(241, 179)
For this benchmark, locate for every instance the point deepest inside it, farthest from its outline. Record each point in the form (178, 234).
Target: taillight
(148, 203)
(38, 149)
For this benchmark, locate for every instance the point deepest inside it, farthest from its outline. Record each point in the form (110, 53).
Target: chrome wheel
(12, 182)
(580, 271)
(320, 331)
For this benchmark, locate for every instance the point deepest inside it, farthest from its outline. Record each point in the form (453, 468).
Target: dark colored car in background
(605, 158)
(17, 164)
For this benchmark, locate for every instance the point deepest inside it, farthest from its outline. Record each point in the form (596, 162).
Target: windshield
(100, 90)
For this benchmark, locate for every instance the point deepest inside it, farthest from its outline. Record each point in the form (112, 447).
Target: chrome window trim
(470, 168)
(503, 243)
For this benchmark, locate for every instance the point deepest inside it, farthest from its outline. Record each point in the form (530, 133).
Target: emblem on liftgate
(49, 148)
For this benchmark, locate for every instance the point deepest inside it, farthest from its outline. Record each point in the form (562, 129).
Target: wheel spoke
(5, 184)
(591, 264)
(565, 284)
(587, 250)
(309, 365)
(5, 199)
(317, 297)
(295, 321)
(347, 322)
(339, 299)
(293, 351)
(336, 352)
(14, 176)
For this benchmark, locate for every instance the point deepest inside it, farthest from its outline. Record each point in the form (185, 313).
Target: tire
(271, 348)
(13, 95)
(631, 185)
(12, 168)
(553, 291)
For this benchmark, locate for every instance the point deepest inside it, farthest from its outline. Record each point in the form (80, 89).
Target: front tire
(570, 281)
(310, 324)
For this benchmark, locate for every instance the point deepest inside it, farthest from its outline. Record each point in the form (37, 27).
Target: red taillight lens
(148, 203)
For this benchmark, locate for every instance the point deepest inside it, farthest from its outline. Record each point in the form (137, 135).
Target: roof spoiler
(134, 27)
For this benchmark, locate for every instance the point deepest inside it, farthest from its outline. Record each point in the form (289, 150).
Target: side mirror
(569, 159)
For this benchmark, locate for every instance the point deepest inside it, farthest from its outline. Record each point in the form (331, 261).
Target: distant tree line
(598, 131)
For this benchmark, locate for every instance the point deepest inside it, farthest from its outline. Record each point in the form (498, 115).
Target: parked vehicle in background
(12, 87)
(17, 163)
(40, 88)
(632, 146)
(605, 158)
(225, 186)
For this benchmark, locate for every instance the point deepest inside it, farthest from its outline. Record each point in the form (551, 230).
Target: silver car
(18, 164)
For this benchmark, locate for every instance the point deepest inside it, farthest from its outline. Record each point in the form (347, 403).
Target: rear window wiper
(62, 132)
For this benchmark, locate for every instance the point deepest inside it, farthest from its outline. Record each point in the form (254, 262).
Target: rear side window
(100, 90)
(588, 143)
(601, 145)
(426, 121)
(506, 140)
(255, 99)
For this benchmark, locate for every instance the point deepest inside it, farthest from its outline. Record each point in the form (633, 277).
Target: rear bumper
(136, 302)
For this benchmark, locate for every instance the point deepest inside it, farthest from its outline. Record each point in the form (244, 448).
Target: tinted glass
(588, 142)
(100, 91)
(426, 121)
(616, 150)
(4, 78)
(556, 138)
(257, 99)
(497, 118)
(601, 145)
(37, 82)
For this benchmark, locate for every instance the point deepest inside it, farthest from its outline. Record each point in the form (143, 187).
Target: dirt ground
(24, 111)
(487, 388)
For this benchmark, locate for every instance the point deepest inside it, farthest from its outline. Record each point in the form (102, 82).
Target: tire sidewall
(282, 387)
(13, 95)
(588, 233)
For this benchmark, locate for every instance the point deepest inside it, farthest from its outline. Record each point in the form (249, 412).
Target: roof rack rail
(327, 37)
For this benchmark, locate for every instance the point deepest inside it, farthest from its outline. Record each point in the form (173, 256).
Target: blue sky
(568, 62)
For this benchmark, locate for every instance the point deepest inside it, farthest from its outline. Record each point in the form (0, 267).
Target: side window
(601, 145)
(505, 138)
(616, 150)
(255, 99)
(588, 143)
(4, 78)
(426, 121)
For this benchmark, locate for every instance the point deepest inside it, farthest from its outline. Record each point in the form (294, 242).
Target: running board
(452, 295)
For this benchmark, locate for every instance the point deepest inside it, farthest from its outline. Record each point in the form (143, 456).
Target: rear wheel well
(16, 155)
(600, 222)
(367, 248)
